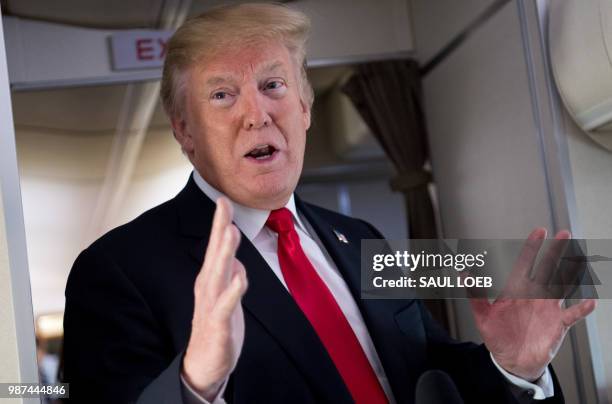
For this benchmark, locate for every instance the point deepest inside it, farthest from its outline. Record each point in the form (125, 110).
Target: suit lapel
(272, 305)
(266, 299)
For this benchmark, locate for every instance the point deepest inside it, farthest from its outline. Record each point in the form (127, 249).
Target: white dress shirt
(251, 223)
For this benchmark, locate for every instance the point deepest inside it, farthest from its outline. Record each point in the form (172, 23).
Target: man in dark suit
(159, 311)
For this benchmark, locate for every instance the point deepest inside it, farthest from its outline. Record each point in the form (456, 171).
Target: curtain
(388, 96)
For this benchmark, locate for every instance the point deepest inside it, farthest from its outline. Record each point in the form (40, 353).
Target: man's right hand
(217, 331)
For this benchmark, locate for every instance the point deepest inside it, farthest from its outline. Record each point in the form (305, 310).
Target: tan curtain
(388, 97)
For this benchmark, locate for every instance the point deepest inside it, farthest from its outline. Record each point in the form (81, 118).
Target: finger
(223, 217)
(221, 271)
(573, 270)
(530, 251)
(578, 311)
(517, 282)
(549, 263)
(567, 279)
(230, 298)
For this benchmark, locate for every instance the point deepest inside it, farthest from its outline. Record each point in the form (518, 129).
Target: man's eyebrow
(216, 80)
(226, 78)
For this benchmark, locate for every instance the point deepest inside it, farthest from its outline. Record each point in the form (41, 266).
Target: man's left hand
(524, 334)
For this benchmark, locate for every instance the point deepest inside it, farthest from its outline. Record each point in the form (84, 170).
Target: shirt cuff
(190, 396)
(541, 389)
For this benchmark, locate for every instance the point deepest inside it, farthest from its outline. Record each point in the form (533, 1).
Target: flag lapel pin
(341, 237)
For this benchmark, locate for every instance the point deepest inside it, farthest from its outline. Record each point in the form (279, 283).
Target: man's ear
(182, 134)
(305, 114)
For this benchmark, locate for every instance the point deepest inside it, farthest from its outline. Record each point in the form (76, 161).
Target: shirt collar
(249, 220)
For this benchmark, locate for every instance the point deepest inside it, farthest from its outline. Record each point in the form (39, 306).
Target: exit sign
(139, 49)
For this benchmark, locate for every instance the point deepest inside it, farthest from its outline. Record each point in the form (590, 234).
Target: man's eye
(273, 85)
(222, 98)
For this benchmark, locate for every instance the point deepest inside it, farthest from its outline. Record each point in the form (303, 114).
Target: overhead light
(50, 326)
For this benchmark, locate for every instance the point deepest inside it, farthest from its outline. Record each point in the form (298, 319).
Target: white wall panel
(487, 154)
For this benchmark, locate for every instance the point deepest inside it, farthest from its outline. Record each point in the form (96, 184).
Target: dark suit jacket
(129, 303)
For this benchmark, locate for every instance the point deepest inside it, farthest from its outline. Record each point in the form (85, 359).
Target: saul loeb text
(430, 270)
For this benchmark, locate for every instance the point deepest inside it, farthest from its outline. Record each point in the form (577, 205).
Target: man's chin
(266, 195)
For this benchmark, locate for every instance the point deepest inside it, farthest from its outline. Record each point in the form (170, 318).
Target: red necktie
(324, 314)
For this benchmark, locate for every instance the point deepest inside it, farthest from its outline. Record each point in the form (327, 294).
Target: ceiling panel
(104, 13)
(89, 13)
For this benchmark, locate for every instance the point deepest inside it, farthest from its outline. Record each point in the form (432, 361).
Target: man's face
(243, 124)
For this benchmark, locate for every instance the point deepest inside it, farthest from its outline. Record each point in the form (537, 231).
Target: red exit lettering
(146, 49)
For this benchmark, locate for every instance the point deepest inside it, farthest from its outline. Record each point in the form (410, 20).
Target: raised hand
(217, 332)
(524, 334)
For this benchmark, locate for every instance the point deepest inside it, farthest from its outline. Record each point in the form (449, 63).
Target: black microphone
(436, 387)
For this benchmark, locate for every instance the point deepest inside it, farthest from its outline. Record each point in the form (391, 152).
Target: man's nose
(255, 114)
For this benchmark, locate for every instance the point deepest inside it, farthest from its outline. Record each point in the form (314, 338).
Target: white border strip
(11, 194)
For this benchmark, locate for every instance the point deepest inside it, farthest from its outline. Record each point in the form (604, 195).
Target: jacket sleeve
(114, 348)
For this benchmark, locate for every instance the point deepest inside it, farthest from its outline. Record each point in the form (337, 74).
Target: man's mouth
(261, 152)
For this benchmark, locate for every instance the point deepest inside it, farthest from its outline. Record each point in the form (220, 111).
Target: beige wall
(65, 171)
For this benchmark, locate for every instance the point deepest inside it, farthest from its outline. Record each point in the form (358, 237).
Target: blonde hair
(202, 36)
